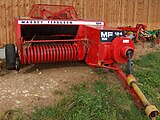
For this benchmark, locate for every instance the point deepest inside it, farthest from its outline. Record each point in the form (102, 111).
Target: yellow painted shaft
(151, 110)
(140, 94)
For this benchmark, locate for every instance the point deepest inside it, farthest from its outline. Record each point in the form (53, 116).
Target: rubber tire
(10, 56)
(18, 64)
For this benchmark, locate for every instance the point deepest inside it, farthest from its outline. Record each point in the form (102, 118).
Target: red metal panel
(117, 48)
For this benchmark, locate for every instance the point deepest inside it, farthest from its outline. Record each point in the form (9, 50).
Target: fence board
(114, 12)
(128, 13)
(14, 15)
(9, 20)
(3, 25)
(153, 14)
(158, 13)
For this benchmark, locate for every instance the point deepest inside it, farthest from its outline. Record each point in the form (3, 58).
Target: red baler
(54, 33)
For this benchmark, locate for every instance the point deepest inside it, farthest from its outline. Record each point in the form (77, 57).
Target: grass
(101, 100)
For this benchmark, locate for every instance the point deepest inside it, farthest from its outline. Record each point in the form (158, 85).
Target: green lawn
(102, 100)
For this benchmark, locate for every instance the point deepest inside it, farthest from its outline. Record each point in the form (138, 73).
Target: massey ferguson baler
(53, 33)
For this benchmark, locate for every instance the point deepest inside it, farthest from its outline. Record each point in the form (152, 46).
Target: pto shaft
(151, 110)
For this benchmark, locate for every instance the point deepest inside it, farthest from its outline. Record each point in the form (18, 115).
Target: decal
(125, 41)
(98, 23)
(25, 22)
(31, 22)
(109, 35)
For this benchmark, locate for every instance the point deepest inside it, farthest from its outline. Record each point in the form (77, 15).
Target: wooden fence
(114, 12)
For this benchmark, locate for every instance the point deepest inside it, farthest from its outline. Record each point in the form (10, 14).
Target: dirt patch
(44, 84)
(40, 85)
(148, 48)
(3, 70)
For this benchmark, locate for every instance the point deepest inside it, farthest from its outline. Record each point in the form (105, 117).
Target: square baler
(54, 33)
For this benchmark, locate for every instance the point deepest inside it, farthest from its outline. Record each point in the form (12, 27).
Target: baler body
(43, 37)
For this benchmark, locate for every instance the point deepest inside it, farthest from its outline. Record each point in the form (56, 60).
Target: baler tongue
(130, 83)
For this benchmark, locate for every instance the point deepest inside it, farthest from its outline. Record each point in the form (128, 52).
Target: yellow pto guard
(151, 110)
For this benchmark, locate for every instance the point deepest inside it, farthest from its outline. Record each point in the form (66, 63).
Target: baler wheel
(10, 56)
(17, 64)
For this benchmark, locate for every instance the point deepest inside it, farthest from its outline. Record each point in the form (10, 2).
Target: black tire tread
(10, 56)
